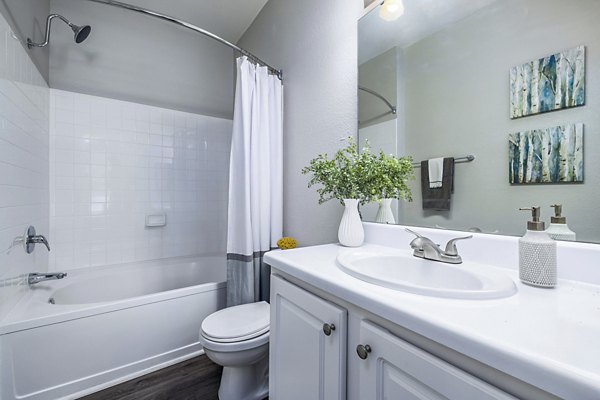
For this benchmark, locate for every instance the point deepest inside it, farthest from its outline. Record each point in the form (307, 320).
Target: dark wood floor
(194, 379)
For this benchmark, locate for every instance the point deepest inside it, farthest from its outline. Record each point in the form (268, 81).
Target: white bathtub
(107, 325)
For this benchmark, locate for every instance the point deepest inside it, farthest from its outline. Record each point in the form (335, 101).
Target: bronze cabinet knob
(363, 351)
(328, 328)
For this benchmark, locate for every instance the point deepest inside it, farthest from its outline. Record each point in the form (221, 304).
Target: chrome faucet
(28, 240)
(426, 248)
(31, 239)
(36, 277)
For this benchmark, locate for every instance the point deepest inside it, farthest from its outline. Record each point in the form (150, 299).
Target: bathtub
(104, 325)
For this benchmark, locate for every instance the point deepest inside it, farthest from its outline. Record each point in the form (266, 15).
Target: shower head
(81, 32)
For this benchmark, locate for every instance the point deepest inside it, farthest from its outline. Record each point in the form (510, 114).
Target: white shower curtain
(255, 182)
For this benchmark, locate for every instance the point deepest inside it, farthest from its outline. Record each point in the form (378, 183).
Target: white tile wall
(24, 136)
(113, 162)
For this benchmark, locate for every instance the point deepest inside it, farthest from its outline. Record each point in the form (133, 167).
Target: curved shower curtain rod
(374, 93)
(275, 71)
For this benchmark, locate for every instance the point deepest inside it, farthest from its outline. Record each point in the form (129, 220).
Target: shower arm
(194, 28)
(31, 44)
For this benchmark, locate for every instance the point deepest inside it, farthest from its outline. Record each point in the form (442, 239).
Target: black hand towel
(437, 198)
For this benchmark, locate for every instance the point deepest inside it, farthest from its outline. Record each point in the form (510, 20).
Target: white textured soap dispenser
(537, 254)
(558, 229)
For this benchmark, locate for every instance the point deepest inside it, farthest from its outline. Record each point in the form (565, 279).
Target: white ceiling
(421, 19)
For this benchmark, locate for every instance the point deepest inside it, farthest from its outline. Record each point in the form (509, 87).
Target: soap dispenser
(558, 229)
(537, 253)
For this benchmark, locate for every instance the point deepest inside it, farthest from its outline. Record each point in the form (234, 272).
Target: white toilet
(238, 339)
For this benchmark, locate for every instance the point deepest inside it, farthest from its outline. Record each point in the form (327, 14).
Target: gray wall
(133, 57)
(27, 18)
(315, 43)
(378, 74)
(457, 93)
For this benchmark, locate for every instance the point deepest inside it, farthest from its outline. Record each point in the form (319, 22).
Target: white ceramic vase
(351, 232)
(384, 213)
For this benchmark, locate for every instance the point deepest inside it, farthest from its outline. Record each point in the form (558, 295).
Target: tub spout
(35, 277)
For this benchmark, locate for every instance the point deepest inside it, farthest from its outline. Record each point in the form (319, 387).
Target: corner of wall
(315, 43)
(24, 188)
(27, 18)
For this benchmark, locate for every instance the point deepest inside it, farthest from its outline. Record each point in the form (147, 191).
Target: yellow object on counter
(286, 243)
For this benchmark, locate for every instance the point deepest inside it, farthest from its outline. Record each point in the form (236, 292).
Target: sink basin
(400, 270)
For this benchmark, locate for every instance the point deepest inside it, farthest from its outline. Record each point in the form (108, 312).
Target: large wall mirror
(514, 83)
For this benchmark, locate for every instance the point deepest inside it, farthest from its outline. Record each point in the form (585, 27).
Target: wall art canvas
(553, 155)
(548, 84)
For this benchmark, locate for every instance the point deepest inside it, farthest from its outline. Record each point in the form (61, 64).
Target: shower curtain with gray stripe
(255, 210)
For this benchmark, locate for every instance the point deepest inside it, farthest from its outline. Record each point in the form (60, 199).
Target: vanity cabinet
(391, 368)
(307, 345)
(310, 356)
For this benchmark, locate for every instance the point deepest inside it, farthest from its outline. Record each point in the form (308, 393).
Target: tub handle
(31, 239)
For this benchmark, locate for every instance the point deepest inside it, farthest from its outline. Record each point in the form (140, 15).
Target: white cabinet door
(307, 359)
(396, 370)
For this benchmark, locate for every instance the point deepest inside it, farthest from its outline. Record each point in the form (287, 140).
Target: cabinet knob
(328, 328)
(363, 351)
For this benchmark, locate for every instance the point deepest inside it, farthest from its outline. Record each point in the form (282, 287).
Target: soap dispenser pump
(558, 229)
(537, 253)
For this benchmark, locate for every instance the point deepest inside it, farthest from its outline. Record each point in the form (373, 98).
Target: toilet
(238, 339)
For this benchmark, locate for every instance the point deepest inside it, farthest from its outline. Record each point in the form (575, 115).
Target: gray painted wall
(315, 43)
(133, 57)
(27, 18)
(457, 93)
(378, 74)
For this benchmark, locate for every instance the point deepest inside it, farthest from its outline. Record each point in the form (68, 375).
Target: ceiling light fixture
(391, 10)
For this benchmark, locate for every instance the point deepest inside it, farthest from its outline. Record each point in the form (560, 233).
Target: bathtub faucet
(36, 277)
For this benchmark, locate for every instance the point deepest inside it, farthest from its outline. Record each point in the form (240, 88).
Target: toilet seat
(237, 324)
(232, 347)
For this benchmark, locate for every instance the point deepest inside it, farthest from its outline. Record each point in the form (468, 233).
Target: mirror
(514, 83)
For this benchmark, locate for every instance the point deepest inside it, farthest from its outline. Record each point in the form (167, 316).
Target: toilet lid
(237, 323)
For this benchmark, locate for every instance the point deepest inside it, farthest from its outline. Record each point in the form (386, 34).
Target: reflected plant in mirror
(446, 68)
(387, 179)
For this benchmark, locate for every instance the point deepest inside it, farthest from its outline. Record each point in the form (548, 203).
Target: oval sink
(400, 270)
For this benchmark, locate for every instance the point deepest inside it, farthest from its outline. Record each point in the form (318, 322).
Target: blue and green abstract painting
(550, 83)
(553, 155)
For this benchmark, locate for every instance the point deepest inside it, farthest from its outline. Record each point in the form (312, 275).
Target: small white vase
(384, 213)
(351, 232)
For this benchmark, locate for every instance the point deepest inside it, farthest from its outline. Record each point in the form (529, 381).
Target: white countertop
(549, 338)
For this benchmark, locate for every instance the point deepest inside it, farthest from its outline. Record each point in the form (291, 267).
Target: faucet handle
(413, 232)
(30, 238)
(451, 249)
(41, 239)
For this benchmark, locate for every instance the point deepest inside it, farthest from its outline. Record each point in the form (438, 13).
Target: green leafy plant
(368, 177)
(387, 177)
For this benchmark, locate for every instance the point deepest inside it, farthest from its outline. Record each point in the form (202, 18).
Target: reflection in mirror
(377, 96)
(468, 78)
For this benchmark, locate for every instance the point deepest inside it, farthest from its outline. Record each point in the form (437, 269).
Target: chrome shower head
(81, 32)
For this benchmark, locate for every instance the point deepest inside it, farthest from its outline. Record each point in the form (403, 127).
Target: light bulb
(391, 10)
